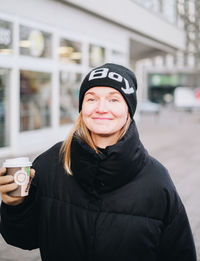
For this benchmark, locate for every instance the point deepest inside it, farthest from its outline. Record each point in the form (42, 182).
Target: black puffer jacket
(119, 205)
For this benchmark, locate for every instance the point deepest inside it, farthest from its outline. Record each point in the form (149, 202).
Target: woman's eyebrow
(92, 93)
(110, 93)
(115, 92)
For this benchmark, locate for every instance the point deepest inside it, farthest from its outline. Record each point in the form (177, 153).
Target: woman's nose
(101, 106)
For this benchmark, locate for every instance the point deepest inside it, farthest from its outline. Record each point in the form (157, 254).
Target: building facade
(47, 46)
(167, 72)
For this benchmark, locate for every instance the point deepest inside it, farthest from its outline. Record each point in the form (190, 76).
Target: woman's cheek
(87, 109)
(120, 111)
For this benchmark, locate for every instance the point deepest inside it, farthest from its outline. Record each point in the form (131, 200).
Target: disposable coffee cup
(19, 168)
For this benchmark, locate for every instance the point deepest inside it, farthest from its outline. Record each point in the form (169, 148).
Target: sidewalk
(174, 139)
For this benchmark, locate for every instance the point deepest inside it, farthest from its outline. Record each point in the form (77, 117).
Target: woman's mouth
(101, 118)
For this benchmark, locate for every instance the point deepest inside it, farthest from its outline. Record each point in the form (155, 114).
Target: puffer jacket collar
(107, 171)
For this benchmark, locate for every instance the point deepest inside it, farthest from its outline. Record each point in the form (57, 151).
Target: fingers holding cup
(32, 173)
(2, 171)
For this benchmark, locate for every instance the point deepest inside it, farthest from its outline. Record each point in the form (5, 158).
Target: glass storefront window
(35, 100)
(166, 8)
(34, 42)
(154, 5)
(70, 51)
(6, 34)
(4, 107)
(164, 80)
(169, 10)
(69, 93)
(96, 55)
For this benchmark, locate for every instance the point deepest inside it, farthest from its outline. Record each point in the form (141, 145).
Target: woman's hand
(7, 184)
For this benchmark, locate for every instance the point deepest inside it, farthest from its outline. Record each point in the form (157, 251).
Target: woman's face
(104, 111)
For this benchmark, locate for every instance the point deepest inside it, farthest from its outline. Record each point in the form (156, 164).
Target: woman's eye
(90, 99)
(114, 100)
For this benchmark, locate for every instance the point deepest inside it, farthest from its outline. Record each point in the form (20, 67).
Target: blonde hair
(80, 130)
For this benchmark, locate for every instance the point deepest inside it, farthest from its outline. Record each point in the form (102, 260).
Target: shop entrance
(161, 86)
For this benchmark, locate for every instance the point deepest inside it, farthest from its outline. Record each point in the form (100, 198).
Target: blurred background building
(47, 46)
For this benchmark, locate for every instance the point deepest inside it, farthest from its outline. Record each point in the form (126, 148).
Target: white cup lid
(17, 162)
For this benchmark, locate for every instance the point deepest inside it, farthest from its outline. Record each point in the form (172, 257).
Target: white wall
(60, 15)
(136, 18)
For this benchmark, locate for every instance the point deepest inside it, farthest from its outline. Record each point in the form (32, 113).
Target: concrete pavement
(174, 139)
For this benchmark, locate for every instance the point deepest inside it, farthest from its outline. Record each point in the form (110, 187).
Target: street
(173, 138)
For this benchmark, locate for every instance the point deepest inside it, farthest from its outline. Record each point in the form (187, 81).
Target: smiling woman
(104, 112)
(99, 195)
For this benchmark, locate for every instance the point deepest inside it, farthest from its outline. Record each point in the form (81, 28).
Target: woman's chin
(103, 132)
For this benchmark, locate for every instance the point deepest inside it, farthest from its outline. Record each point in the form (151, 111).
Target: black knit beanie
(114, 76)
